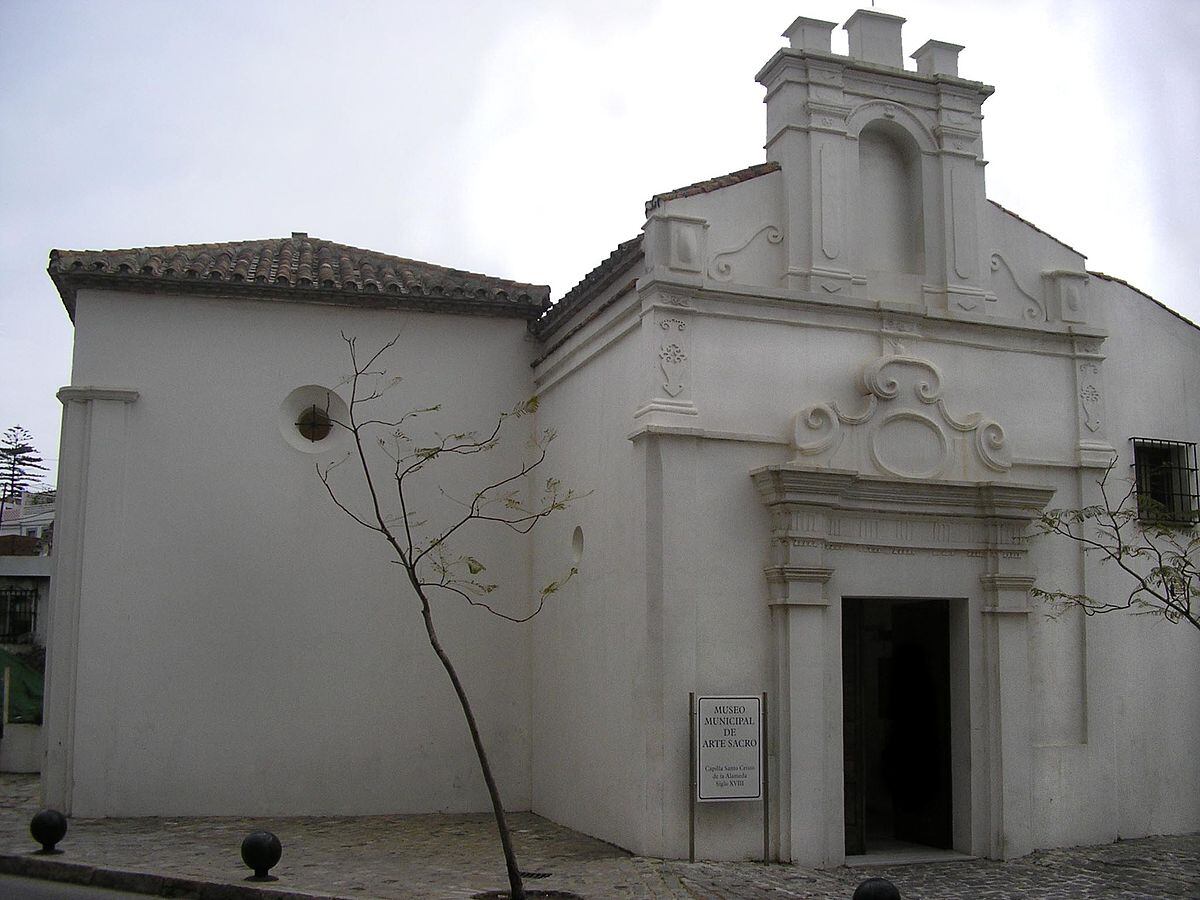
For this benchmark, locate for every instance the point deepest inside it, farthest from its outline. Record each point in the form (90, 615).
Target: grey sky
(521, 138)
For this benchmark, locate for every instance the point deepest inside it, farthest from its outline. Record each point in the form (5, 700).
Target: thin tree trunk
(516, 886)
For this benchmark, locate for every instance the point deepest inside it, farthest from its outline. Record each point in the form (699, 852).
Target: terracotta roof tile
(593, 283)
(295, 268)
(712, 184)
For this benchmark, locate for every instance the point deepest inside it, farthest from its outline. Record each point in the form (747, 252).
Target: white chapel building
(813, 406)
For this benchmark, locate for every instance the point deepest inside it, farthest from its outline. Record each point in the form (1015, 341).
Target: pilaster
(1010, 748)
(1094, 449)
(804, 763)
(668, 324)
(91, 472)
(960, 256)
(806, 135)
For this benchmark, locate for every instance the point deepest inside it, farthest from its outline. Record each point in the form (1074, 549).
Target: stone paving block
(456, 856)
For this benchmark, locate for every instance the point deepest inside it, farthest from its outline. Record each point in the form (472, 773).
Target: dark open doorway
(896, 723)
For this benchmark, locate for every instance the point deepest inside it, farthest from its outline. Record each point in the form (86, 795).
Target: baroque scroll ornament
(722, 265)
(904, 427)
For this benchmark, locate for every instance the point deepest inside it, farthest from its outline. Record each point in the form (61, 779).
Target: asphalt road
(13, 887)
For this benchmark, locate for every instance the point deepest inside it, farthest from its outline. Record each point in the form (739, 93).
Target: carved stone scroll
(722, 267)
(903, 429)
(1035, 310)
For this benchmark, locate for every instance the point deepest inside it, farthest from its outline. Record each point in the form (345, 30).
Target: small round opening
(314, 424)
(309, 418)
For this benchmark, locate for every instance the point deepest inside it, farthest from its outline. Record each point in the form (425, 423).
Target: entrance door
(896, 723)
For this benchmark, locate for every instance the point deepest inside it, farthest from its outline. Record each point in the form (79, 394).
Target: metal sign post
(766, 786)
(728, 756)
(692, 765)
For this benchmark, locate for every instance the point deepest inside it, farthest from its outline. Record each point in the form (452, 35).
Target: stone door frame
(817, 514)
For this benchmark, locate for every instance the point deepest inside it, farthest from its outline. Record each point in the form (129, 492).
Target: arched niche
(890, 200)
(894, 168)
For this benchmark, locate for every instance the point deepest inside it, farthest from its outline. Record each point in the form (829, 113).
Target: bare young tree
(429, 567)
(1161, 558)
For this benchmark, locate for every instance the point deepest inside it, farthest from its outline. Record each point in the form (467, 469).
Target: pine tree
(19, 465)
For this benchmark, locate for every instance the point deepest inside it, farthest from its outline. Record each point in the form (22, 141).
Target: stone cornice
(1008, 594)
(816, 512)
(814, 574)
(787, 58)
(86, 393)
(999, 582)
(792, 483)
(811, 309)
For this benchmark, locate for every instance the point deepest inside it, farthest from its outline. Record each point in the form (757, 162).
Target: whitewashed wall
(597, 700)
(1146, 672)
(676, 483)
(243, 647)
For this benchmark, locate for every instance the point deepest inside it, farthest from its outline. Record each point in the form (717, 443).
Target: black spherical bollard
(876, 889)
(48, 828)
(260, 851)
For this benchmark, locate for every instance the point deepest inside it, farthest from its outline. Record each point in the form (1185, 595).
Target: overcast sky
(521, 138)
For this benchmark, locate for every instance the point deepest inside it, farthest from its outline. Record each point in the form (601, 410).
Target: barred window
(18, 615)
(1165, 473)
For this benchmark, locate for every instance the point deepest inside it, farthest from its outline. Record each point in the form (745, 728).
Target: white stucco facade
(299, 635)
(833, 387)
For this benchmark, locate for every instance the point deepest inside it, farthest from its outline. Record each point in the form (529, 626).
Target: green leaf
(474, 566)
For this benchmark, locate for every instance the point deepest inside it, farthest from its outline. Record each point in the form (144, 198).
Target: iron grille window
(1165, 473)
(18, 615)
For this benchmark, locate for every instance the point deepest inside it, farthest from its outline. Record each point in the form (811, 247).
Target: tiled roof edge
(581, 321)
(69, 284)
(1121, 281)
(300, 238)
(1019, 218)
(300, 268)
(592, 285)
(712, 184)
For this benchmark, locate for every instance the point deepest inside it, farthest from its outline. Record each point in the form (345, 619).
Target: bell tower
(883, 166)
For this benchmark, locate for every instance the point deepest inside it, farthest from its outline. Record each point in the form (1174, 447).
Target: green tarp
(24, 690)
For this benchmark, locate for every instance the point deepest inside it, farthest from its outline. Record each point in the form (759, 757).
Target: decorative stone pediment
(903, 429)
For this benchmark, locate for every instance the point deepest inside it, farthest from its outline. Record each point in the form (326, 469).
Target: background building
(26, 540)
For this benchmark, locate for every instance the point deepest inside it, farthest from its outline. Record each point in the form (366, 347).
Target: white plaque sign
(729, 744)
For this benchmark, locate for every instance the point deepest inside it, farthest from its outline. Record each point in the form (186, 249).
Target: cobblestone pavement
(455, 856)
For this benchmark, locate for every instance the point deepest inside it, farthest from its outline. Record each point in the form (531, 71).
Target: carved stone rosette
(1094, 449)
(668, 333)
(1091, 397)
(673, 354)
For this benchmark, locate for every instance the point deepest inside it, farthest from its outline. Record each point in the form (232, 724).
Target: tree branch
(1167, 586)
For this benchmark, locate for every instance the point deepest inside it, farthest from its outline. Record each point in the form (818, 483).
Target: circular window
(314, 424)
(309, 419)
